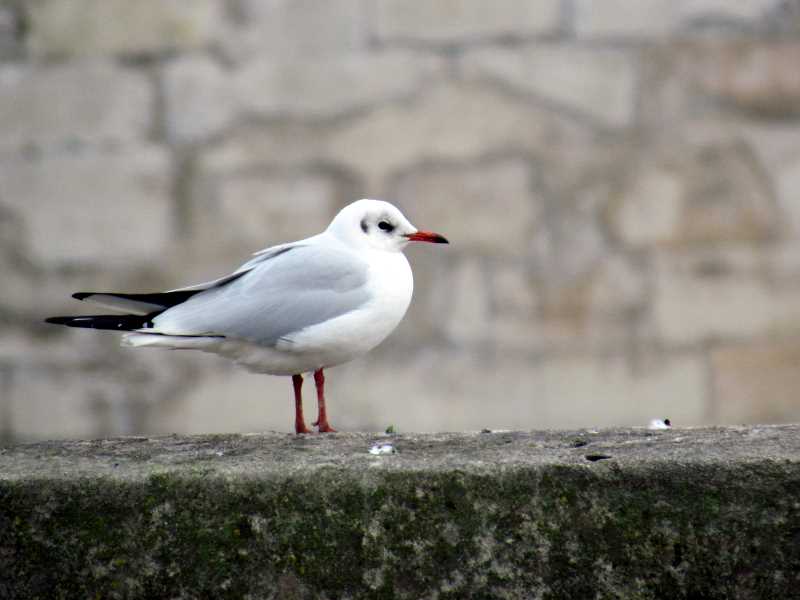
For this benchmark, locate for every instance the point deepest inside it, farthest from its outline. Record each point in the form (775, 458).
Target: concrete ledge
(702, 513)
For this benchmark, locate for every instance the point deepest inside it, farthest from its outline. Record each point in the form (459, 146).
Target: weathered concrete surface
(697, 513)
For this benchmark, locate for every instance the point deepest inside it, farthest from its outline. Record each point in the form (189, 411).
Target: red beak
(427, 236)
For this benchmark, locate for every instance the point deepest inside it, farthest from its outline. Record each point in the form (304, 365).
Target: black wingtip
(58, 320)
(82, 295)
(111, 322)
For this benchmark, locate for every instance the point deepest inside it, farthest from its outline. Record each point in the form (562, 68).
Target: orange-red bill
(427, 236)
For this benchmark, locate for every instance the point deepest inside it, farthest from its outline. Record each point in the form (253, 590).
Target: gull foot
(324, 427)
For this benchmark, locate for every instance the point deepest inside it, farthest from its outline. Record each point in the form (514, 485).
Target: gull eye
(385, 226)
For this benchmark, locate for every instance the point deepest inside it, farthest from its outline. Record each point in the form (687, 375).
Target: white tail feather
(110, 301)
(176, 342)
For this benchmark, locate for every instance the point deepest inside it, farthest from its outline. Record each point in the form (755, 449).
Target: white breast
(390, 286)
(343, 338)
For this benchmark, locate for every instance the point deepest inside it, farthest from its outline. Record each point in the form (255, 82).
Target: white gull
(293, 308)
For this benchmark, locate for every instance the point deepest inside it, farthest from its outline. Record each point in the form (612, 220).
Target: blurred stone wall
(620, 181)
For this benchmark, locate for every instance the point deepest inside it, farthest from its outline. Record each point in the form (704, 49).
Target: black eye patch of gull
(364, 227)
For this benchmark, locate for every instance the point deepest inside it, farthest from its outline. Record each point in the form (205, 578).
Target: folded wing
(149, 304)
(273, 296)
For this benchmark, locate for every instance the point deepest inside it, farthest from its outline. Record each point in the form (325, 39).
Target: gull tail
(138, 304)
(140, 309)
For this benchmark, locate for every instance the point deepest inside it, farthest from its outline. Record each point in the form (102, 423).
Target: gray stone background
(620, 181)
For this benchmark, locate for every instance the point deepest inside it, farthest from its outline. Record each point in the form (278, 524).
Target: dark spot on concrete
(596, 457)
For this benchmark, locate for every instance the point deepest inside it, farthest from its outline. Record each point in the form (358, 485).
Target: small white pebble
(382, 449)
(660, 424)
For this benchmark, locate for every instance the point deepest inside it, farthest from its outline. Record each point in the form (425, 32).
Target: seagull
(294, 308)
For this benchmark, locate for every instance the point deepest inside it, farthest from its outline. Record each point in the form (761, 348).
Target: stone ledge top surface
(268, 455)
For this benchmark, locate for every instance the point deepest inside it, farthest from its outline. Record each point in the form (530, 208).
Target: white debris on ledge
(379, 449)
(660, 424)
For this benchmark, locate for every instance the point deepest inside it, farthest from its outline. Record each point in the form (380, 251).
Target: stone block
(445, 123)
(468, 315)
(756, 76)
(295, 29)
(602, 392)
(775, 145)
(198, 101)
(51, 348)
(450, 121)
(562, 392)
(515, 302)
(597, 82)
(741, 13)
(53, 404)
(666, 96)
(782, 265)
(499, 305)
(11, 32)
(222, 398)
(566, 251)
(591, 300)
(783, 17)
(80, 383)
(79, 27)
(756, 382)
(281, 143)
(575, 328)
(656, 18)
(710, 194)
(430, 307)
(92, 208)
(43, 290)
(329, 86)
(465, 21)
(619, 288)
(233, 215)
(727, 198)
(717, 294)
(460, 200)
(622, 18)
(651, 207)
(261, 210)
(463, 378)
(364, 395)
(83, 101)
(75, 383)
(788, 189)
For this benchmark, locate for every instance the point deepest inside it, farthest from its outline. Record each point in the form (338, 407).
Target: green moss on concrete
(657, 529)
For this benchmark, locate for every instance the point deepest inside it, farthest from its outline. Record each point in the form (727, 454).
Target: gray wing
(147, 303)
(282, 294)
(259, 257)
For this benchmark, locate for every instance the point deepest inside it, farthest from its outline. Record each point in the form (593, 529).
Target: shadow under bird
(294, 308)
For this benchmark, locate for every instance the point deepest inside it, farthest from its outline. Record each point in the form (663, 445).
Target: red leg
(322, 416)
(299, 421)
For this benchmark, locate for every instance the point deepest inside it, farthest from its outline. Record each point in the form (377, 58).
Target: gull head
(377, 225)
